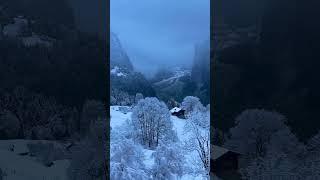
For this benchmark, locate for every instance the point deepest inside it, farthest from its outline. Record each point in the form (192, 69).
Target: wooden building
(224, 163)
(177, 112)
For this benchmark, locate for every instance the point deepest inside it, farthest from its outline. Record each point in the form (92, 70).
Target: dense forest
(53, 87)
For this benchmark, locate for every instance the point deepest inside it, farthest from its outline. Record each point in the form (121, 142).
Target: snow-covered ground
(18, 167)
(118, 119)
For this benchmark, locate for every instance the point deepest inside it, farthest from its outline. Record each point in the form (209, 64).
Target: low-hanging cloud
(160, 32)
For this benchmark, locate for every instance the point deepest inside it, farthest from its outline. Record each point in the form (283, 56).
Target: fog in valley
(160, 33)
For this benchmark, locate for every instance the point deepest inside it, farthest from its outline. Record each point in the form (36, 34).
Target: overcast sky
(160, 32)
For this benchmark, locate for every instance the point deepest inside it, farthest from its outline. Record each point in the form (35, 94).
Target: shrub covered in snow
(151, 121)
(120, 98)
(198, 125)
(169, 162)
(253, 131)
(190, 104)
(126, 161)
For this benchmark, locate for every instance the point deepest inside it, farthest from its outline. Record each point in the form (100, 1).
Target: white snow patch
(116, 71)
(118, 118)
(175, 109)
(149, 161)
(17, 166)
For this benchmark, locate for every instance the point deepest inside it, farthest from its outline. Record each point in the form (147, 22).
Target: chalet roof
(175, 109)
(217, 151)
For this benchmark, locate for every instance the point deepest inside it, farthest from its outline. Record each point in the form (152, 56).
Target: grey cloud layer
(160, 32)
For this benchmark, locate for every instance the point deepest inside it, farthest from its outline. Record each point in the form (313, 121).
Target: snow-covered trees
(151, 121)
(198, 125)
(282, 157)
(120, 98)
(126, 156)
(92, 111)
(253, 131)
(138, 97)
(88, 160)
(269, 148)
(126, 161)
(169, 162)
(271, 166)
(171, 103)
(34, 110)
(190, 104)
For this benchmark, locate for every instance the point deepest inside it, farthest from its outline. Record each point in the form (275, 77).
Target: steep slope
(118, 56)
(123, 77)
(200, 74)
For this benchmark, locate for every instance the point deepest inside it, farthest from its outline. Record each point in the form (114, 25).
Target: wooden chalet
(178, 112)
(224, 163)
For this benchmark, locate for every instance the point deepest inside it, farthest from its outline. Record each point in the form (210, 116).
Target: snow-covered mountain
(123, 77)
(118, 57)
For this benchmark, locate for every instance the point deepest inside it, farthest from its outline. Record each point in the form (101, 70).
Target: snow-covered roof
(175, 109)
(217, 151)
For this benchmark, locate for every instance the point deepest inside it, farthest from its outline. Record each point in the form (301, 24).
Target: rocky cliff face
(123, 77)
(118, 56)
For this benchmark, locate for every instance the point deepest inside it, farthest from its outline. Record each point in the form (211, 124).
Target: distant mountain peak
(118, 56)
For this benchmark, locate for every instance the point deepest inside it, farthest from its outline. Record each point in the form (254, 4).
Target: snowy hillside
(119, 122)
(16, 166)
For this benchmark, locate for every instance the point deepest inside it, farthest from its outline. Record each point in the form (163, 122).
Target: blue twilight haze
(160, 32)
